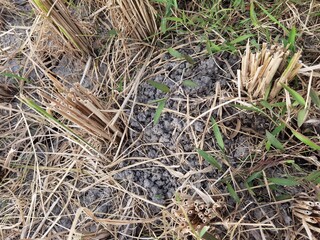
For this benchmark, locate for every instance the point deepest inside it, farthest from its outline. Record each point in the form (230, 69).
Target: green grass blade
(175, 53)
(160, 86)
(233, 193)
(265, 104)
(159, 110)
(210, 159)
(305, 140)
(274, 141)
(175, 19)
(12, 75)
(315, 97)
(302, 116)
(203, 231)
(241, 38)
(314, 176)
(294, 94)
(254, 176)
(284, 181)
(253, 15)
(212, 47)
(189, 83)
(275, 132)
(41, 6)
(272, 18)
(30, 103)
(163, 25)
(217, 133)
(292, 39)
(188, 59)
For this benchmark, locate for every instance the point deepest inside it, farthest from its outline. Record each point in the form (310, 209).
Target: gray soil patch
(171, 142)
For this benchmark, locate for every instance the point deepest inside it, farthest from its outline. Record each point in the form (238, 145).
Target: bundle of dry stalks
(134, 18)
(194, 214)
(307, 209)
(58, 14)
(81, 107)
(267, 69)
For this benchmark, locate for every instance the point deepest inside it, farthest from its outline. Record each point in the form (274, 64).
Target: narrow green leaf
(275, 132)
(159, 111)
(278, 129)
(175, 4)
(178, 197)
(188, 59)
(203, 231)
(279, 104)
(241, 38)
(253, 15)
(41, 6)
(284, 181)
(233, 193)
(313, 176)
(295, 95)
(305, 140)
(12, 75)
(213, 48)
(274, 141)
(157, 100)
(254, 176)
(265, 104)
(283, 197)
(210, 159)
(273, 18)
(175, 53)
(292, 38)
(175, 19)
(189, 83)
(163, 25)
(315, 97)
(302, 116)
(30, 103)
(160, 86)
(217, 133)
(112, 33)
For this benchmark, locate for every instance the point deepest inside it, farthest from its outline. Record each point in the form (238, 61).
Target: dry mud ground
(53, 187)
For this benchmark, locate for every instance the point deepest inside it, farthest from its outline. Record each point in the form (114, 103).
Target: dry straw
(194, 214)
(81, 107)
(306, 209)
(265, 70)
(58, 13)
(134, 18)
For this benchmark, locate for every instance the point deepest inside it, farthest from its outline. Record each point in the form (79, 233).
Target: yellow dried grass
(268, 68)
(59, 16)
(134, 18)
(82, 108)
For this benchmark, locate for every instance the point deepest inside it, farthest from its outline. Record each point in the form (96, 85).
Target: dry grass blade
(307, 209)
(268, 68)
(192, 214)
(82, 108)
(134, 18)
(58, 13)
